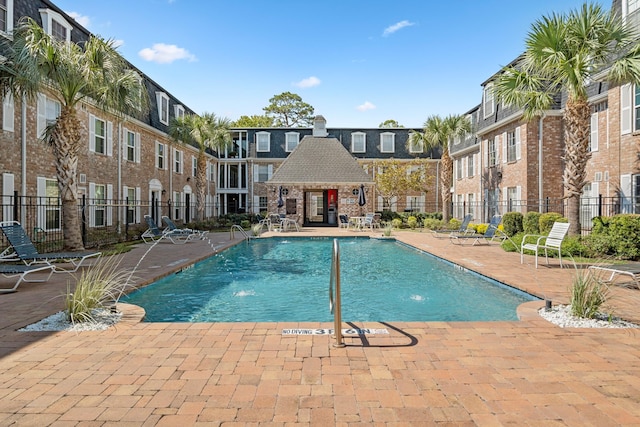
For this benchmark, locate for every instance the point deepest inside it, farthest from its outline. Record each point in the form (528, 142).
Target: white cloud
(366, 106)
(308, 82)
(397, 27)
(80, 19)
(165, 53)
(118, 43)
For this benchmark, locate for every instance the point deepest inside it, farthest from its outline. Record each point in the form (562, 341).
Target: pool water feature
(287, 279)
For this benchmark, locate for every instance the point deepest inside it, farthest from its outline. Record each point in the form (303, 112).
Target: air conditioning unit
(83, 178)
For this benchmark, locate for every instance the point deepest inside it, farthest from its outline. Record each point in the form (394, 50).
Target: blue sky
(357, 62)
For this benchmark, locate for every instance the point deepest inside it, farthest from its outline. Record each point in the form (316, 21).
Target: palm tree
(567, 53)
(36, 62)
(437, 133)
(205, 131)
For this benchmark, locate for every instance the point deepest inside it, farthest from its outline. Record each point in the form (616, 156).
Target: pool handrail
(335, 305)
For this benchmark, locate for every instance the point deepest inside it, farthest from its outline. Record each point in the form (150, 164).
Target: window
(163, 107)
(631, 12)
(459, 169)
(636, 108)
(488, 104)
(387, 142)
(177, 205)
(48, 112)
(177, 161)
(212, 172)
(493, 143)
(98, 195)
(263, 142)
(132, 198)
(194, 166)
(513, 199)
(178, 111)
(511, 146)
(49, 212)
(636, 194)
(132, 146)
(6, 16)
(460, 205)
(470, 166)
(471, 207)
(100, 133)
(55, 25)
(358, 142)
(263, 173)
(262, 202)
(161, 155)
(291, 141)
(8, 113)
(415, 145)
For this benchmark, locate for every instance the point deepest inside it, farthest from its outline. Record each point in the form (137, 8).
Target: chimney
(319, 126)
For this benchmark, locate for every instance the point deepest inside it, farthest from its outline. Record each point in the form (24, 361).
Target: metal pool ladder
(335, 305)
(237, 227)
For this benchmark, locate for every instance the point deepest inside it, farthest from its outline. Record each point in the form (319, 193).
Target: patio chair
(28, 253)
(154, 234)
(492, 233)
(171, 226)
(13, 270)
(343, 221)
(370, 222)
(631, 269)
(552, 242)
(444, 232)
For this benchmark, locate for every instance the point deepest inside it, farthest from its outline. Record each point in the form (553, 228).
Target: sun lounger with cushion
(631, 269)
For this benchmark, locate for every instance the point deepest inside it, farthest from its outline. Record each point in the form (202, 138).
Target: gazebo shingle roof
(320, 160)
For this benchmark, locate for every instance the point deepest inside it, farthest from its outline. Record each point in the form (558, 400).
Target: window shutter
(485, 152)
(156, 154)
(8, 188)
(269, 171)
(504, 147)
(92, 133)
(92, 203)
(625, 193)
(124, 145)
(8, 113)
(42, 115)
(256, 170)
(109, 207)
(505, 196)
(593, 141)
(41, 191)
(137, 148)
(137, 218)
(496, 140)
(256, 204)
(109, 139)
(518, 145)
(626, 113)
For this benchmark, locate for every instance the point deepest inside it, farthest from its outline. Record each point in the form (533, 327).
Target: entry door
(315, 206)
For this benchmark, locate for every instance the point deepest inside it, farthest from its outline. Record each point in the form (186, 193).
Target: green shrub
(513, 243)
(481, 228)
(396, 223)
(454, 223)
(531, 223)
(547, 220)
(624, 230)
(512, 222)
(572, 246)
(412, 222)
(432, 223)
(598, 245)
(588, 293)
(245, 223)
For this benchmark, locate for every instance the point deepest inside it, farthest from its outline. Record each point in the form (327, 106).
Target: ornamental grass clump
(100, 285)
(588, 294)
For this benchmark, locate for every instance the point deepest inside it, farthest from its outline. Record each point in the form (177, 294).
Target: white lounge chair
(552, 242)
(13, 270)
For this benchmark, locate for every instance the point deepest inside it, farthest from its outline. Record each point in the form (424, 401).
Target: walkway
(528, 372)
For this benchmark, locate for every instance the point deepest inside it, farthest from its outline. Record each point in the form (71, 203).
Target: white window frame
(262, 173)
(132, 197)
(131, 146)
(178, 161)
(358, 142)
(492, 151)
(291, 138)
(194, 166)
(107, 138)
(211, 172)
(471, 208)
(50, 204)
(488, 101)
(48, 17)
(471, 160)
(415, 146)
(163, 107)
(263, 142)
(593, 135)
(459, 169)
(8, 113)
(8, 10)
(161, 155)
(178, 111)
(48, 111)
(387, 138)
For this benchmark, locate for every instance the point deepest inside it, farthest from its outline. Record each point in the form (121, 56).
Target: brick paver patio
(526, 372)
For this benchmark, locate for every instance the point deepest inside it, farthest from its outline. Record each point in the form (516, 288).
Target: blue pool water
(280, 279)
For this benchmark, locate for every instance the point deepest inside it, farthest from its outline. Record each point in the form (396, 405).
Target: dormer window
(163, 107)
(6, 16)
(178, 111)
(55, 25)
(488, 104)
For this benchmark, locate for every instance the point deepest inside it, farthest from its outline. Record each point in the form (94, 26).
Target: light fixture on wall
(164, 192)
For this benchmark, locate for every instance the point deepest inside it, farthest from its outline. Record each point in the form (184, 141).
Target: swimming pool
(287, 279)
